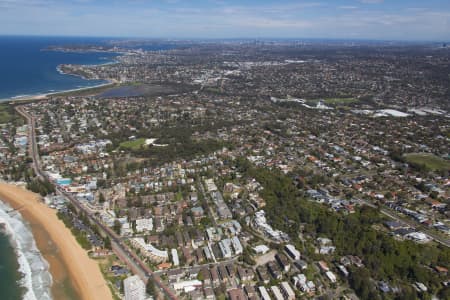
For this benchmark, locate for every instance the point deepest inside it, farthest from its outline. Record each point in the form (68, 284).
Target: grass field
(430, 161)
(133, 145)
(5, 115)
(105, 264)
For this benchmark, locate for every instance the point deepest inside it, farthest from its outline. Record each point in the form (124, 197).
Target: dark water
(27, 70)
(24, 273)
(9, 274)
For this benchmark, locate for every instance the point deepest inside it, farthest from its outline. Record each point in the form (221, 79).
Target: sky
(413, 20)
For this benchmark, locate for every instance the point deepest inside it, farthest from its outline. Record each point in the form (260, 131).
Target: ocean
(25, 69)
(24, 273)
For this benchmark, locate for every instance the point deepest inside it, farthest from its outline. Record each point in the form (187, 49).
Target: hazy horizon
(384, 20)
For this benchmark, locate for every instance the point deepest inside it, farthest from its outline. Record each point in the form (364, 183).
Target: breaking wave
(36, 278)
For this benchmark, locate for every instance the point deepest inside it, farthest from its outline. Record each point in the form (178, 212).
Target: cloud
(348, 7)
(371, 1)
(156, 18)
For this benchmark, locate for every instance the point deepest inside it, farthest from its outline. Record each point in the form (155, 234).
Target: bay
(26, 69)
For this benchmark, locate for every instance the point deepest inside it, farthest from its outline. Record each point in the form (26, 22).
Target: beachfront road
(122, 250)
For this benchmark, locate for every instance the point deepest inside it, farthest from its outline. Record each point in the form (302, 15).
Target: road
(206, 198)
(223, 263)
(128, 256)
(32, 145)
(410, 223)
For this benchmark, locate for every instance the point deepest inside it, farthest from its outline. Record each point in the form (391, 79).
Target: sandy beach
(26, 98)
(74, 274)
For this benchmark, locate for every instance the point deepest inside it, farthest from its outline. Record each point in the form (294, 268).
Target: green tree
(150, 287)
(117, 226)
(107, 242)
(101, 198)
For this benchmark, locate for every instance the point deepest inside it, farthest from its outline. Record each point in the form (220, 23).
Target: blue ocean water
(25, 69)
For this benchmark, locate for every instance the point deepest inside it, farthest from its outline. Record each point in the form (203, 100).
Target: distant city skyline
(341, 19)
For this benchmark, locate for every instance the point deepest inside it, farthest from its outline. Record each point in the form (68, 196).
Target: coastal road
(121, 249)
(32, 145)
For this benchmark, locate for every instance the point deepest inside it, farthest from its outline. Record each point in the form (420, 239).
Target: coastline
(43, 96)
(40, 96)
(32, 276)
(75, 275)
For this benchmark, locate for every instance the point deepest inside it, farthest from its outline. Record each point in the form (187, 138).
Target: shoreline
(43, 96)
(75, 275)
(35, 279)
(40, 96)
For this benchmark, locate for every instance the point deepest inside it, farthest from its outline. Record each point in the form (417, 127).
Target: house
(327, 249)
(164, 266)
(175, 275)
(197, 212)
(287, 291)
(205, 275)
(230, 270)
(261, 249)
(199, 255)
(263, 293)
(236, 245)
(208, 292)
(207, 253)
(301, 264)
(223, 273)
(214, 234)
(187, 255)
(225, 248)
(420, 287)
(237, 294)
(250, 291)
(343, 270)
(175, 259)
(384, 287)
(394, 225)
(215, 280)
(418, 237)
(245, 274)
(274, 270)
(292, 252)
(299, 280)
(283, 262)
(330, 275)
(263, 275)
(441, 270)
(276, 292)
(323, 266)
(326, 246)
(187, 285)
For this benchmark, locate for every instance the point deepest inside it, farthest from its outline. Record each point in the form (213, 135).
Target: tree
(205, 222)
(101, 198)
(444, 293)
(107, 242)
(117, 226)
(133, 226)
(150, 288)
